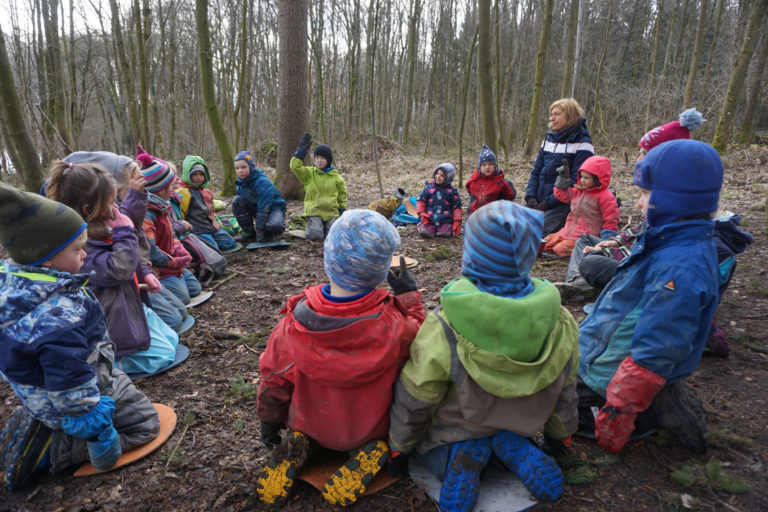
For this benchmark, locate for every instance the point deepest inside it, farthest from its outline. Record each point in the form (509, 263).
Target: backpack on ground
(207, 262)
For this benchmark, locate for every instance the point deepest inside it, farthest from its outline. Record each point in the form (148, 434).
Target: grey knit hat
(112, 162)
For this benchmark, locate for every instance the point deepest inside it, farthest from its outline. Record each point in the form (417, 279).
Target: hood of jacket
(345, 344)
(186, 168)
(510, 347)
(573, 133)
(600, 166)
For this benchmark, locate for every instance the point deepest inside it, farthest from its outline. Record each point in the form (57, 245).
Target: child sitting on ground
(197, 204)
(258, 207)
(168, 256)
(649, 326)
(325, 192)
(468, 391)
(143, 342)
(594, 209)
(330, 363)
(439, 205)
(487, 183)
(55, 352)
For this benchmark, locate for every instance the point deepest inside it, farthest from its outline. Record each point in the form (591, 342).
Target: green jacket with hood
(325, 190)
(514, 368)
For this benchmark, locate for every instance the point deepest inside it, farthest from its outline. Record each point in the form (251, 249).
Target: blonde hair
(570, 108)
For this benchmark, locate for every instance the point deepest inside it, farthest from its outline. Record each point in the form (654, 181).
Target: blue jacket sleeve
(533, 181)
(265, 195)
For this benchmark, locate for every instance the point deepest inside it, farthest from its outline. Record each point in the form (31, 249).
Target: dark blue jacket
(259, 192)
(573, 144)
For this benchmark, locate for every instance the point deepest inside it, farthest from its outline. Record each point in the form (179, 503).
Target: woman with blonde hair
(568, 143)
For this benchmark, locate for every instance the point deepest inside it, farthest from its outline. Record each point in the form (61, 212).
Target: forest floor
(211, 460)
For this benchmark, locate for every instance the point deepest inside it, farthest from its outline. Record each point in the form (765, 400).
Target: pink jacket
(593, 209)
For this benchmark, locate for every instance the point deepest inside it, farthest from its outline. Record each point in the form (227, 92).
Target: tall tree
(125, 74)
(142, 14)
(758, 71)
(413, 57)
(55, 119)
(570, 52)
(538, 79)
(598, 106)
(209, 96)
(292, 99)
(725, 122)
(27, 161)
(652, 73)
(485, 74)
(700, 31)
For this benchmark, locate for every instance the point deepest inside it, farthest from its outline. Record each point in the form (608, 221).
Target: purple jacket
(114, 264)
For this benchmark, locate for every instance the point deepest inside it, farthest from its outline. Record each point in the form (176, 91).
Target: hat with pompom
(358, 250)
(486, 155)
(680, 129)
(157, 172)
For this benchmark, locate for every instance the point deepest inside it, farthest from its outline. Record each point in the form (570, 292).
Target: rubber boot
(24, 447)
(461, 485)
(275, 481)
(538, 471)
(348, 484)
(679, 410)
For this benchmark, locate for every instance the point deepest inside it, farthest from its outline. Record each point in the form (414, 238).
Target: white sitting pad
(199, 299)
(500, 491)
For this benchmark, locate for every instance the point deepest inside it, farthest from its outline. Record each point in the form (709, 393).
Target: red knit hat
(681, 129)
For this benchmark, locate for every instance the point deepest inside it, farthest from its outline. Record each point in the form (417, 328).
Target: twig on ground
(173, 452)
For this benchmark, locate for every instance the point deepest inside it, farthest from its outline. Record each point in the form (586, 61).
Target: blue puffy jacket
(257, 190)
(573, 144)
(657, 308)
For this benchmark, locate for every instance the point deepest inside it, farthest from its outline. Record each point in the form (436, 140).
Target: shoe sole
(349, 482)
(28, 441)
(276, 480)
(679, 410)
(538, 471)
(461, 485)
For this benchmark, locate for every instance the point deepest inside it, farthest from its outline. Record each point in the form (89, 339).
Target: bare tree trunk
(413, 57)
(747, 128)
(497, 76)
(209, 96)
(538, 80)
(142, 60)
(652, 72)
(464, 95)
(725, 122)
(570, 52)
(715, 35)
(54, 105)
(126, 76)
(292, 101)
(598, 105)
(700, 32)
(579, 44)
(242, 69)
(28, 163)
(485, 74)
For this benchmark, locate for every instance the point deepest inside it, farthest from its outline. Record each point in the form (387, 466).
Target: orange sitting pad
(410, 208)
(167, 425)
(319, 469)
(409, 262)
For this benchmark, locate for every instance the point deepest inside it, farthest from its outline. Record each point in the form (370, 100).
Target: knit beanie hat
(157, 172)
(33, 228)
(113, 163)
(450, 171)
(325, 152)
(486, 155)
(358, 250)
(684, 177)
(681, 129)
(246, 155)
(501, 242)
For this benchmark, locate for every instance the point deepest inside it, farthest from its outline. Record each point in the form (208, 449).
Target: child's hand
(118, 219)
(304, 144)
(153, 282)
(531, 202)
(137, 180)
(397, 466)
(400, 280)
(457, 228)
(187, 225)
(564, 171)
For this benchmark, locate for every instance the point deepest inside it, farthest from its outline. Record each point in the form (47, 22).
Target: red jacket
(159, 230)
(592, 209)
(329, 368)
(487, 189)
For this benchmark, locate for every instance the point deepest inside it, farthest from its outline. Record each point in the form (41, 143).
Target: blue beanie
(501, 242)
(486, 155)
(246, 155)
(449, 169)
(684, 177)
(358, 250)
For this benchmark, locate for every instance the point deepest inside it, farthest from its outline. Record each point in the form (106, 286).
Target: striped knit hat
(33, 229)
(156, 171)
(358, 250)
(500, 246)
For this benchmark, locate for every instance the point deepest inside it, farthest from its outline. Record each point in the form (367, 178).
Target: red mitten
(118, 219)
(421, 211)
(153, 282)
(457, 228)
(630, 392)
(178, 250)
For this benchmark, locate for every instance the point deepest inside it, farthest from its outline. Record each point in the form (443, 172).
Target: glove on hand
(607, 234)
(153, 282)
(270, 434)
(397, 466)
(531, 202)
(630, 392)
(303, 148)
(400, 280)
(181, 260)
(564, 171)
(118, 219)
(105, 449)
(542, 206)
(457, 228)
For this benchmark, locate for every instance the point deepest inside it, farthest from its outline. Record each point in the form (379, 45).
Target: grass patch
(238, 425)
(440, 254)
(241, 389)
(580, 475)
(724, 437)
(758, 293)
(710, 475)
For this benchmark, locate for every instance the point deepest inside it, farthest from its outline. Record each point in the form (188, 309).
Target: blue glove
(304, 144)
(91, 423)
(607, 234)
(105, 449)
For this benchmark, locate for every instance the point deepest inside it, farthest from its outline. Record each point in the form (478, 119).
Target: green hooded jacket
(325, 192)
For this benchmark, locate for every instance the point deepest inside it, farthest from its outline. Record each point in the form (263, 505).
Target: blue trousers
(168, 307)
(220, 239)
(246, 212)
(184, 287)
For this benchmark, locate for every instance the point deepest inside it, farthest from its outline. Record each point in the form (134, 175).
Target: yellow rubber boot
(347, 484)
(275, 481)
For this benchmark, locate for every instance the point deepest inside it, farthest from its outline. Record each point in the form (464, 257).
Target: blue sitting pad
(259, 245)
(182, 353)
(232, 249)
